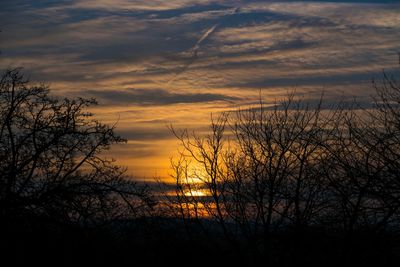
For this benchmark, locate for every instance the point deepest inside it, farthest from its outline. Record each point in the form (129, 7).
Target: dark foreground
(158, 241)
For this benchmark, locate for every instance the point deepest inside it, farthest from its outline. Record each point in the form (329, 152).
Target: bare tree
(50, 158)
(262, 174)
(206, 176)
(296, 167)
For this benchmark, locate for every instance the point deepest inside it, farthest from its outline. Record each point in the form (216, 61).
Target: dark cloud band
(153, 97)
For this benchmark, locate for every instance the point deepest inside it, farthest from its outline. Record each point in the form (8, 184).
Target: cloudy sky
(152, 63)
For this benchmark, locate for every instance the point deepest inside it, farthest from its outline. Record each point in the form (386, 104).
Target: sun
(195, 193)
(195, 186)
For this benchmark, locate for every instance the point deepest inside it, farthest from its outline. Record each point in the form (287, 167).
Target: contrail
(194, 51)
(205, 36)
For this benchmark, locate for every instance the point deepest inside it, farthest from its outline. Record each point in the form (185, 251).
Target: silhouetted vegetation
(55, 188)
(275, 185)
(298, 183)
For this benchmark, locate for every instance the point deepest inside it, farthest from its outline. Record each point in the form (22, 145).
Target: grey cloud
(153, 97)
(156, 41)
(356, 79)
(323, 103)
(135, 151)
(146, 134)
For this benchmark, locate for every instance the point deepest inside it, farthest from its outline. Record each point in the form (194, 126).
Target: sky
(152, 64)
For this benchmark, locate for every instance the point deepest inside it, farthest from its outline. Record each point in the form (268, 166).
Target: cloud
(188, 58)
(353, 77)
(153, 97)
(330, 103)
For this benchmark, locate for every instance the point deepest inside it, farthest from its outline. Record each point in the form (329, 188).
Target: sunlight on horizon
(196, 193)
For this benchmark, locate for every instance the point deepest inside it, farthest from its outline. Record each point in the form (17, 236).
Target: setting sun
(196, 193)
(200, 132)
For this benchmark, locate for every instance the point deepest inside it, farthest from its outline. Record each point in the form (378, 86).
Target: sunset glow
(151, 64)
(245, 133)
(196, 193)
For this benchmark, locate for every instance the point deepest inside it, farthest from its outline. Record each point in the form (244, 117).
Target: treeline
(58, 194)
(294, 182)
(297, 181)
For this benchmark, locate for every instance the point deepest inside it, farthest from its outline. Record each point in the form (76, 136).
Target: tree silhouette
(299, 170)
(50, 159)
